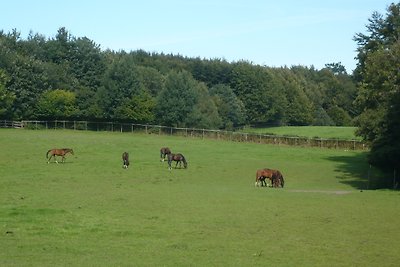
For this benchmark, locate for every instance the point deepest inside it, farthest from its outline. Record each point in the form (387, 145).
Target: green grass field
(90, 211)
(329, 132)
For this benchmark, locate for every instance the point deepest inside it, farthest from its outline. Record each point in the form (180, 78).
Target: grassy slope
(91, 212)
(346, 133)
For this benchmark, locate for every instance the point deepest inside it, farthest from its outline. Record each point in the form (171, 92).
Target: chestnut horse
(58, 152)
(179, 158)
(164, 151)
(275, 176)
(125, 160)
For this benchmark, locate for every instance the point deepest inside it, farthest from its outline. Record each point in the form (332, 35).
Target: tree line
(67, 77)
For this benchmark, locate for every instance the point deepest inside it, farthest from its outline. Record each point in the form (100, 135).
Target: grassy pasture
(90, 211)
(329, 132)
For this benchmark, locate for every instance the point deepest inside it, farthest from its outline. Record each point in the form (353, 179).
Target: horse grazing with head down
(179, 158)
(58, 152)
(125, 160)
(275, 176)
(164, 151)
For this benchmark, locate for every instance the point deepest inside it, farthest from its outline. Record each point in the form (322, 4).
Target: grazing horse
(277, 179)
(274, 176)
(164, 151)
(179, 158)
(125, 160)
(58, 152)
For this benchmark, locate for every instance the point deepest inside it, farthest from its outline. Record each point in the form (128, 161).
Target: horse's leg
(55, 158)
(265, 183)
(261, 181)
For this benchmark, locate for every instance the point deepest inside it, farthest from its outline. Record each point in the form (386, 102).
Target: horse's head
(71, 150)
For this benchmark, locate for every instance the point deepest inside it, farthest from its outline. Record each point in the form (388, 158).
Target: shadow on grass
(355, 171)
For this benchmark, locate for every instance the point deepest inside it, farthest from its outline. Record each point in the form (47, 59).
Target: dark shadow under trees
(367, 176)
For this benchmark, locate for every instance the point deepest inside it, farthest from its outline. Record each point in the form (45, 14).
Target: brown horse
(125, 160)
(275, 176)
(58, 152)
(179, 158)
(164, 151)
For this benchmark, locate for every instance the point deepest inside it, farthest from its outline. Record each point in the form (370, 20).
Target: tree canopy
(38, 73)
(378, 96)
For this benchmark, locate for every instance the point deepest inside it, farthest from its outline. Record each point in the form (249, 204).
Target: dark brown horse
(58, 152)
(125, 160)
(164, 151)
(179, 158)
(275, 176)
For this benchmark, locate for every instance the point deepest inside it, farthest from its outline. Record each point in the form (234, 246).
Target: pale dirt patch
(336, 192)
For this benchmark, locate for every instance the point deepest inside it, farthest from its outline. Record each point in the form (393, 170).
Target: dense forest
(68, 77)
(72, 78)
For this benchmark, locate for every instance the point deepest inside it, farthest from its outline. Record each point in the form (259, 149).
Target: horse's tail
(47, 154)
(282, 180)
(184, 161)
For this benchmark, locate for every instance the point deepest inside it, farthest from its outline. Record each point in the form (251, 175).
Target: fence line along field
(310, 136)
(90, 211)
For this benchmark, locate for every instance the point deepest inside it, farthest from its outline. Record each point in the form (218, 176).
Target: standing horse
(164, 151)
(58, 152)
(179, 158)
(125, 160)
(274, 176)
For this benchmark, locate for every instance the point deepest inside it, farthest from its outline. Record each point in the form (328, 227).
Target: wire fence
(189, 132)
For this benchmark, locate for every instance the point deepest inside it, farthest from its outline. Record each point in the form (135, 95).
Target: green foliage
(138, 109)
(298, 107)
(339, 116)
(256, 87)
(336, 68)
(230, 108)
(321, 118)
(379, 90)
(6, 98)
(204, 113)
(58, 104)
(176, 100)
(106, 82)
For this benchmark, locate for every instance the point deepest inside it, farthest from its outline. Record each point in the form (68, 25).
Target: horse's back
(259, 173)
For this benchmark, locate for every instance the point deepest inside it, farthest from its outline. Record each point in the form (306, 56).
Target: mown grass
(91, 212)
(330, 132)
